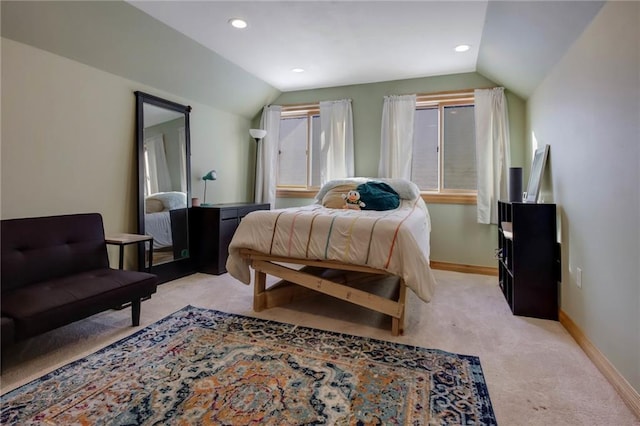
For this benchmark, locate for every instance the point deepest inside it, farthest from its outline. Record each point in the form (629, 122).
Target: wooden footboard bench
(332, 278)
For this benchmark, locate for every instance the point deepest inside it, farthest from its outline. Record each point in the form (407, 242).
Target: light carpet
(535, 372)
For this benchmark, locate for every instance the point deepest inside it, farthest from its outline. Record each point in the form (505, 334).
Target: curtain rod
(301, 106)
(315, 105)
(454, 92)
(418, 95)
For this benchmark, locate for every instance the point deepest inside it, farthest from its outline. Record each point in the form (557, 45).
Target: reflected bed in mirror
(163, 143)
(165, 220)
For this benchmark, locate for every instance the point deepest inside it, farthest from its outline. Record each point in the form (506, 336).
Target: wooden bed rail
(299, 283)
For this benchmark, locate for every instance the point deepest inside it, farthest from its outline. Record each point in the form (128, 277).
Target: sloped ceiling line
(188, 48)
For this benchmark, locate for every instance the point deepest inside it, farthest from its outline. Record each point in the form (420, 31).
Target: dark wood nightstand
(211, 229)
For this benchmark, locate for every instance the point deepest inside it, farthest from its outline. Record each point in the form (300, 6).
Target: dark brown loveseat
(55, 270)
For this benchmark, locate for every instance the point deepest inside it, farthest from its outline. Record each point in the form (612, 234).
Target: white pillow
(406, 189)
(153, 206)
(170, 200)
(335, 183)
(333, 198)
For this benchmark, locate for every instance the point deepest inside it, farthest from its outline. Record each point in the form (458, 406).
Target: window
(298, 151)
(444, 149)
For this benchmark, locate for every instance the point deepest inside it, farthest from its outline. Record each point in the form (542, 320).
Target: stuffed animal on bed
(352, 200)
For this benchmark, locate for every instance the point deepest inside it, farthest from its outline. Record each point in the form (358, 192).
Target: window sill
(443, 198)
(296, 193)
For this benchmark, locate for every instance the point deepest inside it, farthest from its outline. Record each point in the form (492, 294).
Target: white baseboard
(469, 269)
(628, 394)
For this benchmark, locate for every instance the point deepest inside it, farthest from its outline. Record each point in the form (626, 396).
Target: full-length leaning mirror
(164, 186)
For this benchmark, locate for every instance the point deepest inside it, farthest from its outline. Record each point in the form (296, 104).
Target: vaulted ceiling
(351, 42)
(188, 48)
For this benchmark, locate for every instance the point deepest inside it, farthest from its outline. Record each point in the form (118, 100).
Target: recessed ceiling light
(238, 23)
(297, 70)
(462, 48)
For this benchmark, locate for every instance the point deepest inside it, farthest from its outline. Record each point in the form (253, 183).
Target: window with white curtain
(299, 148)
(444, 149)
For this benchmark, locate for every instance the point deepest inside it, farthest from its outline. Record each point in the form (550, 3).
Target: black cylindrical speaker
(515, 184)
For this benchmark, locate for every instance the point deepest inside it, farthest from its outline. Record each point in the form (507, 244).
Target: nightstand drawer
(228, 214)
(243, 211)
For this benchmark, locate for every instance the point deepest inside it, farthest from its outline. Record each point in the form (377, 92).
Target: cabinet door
(179, 233)
(227, 229)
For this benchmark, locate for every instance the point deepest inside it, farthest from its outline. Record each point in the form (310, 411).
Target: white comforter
(158, 225)
(396, 241)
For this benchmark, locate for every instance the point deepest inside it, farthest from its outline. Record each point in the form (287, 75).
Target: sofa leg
(135, 312)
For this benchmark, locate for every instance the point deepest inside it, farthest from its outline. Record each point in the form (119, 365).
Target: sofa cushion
(7, 332)
(49, 304)
(42, 248)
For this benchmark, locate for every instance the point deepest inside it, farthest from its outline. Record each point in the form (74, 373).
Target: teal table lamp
(209, 176)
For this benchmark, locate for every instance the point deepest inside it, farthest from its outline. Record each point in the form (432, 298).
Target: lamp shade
(257, 133)
(210, 176)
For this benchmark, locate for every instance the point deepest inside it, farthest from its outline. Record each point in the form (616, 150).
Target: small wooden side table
(123, 240)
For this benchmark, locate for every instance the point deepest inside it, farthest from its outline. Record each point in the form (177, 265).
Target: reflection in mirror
(164, 186)
(165, 189)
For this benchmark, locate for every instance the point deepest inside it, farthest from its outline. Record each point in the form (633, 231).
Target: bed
(161, 210)
(305, 247)
(158, 225)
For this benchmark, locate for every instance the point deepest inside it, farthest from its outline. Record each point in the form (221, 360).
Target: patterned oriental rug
(199, 366)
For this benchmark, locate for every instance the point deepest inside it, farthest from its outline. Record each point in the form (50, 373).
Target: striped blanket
(396, 240)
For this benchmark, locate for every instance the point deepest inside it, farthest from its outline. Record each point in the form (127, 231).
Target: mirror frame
(536, 174)
(180, 267)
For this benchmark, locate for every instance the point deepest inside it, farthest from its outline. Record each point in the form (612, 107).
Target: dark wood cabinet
(211, 230)
(529, 256)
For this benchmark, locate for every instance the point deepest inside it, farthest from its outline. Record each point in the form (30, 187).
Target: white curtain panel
(267, 157)
(492, 151)
(336, 140)
(158, 178)
(396, 143)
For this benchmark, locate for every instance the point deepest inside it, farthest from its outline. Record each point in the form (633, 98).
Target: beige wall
(219, 138)
(68, 141)
(116, 37)
(456, 237)
(588, 110)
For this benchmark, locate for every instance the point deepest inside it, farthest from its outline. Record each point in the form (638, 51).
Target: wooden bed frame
(333, 278)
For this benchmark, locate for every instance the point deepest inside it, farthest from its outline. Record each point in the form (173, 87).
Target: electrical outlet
(579, 277)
